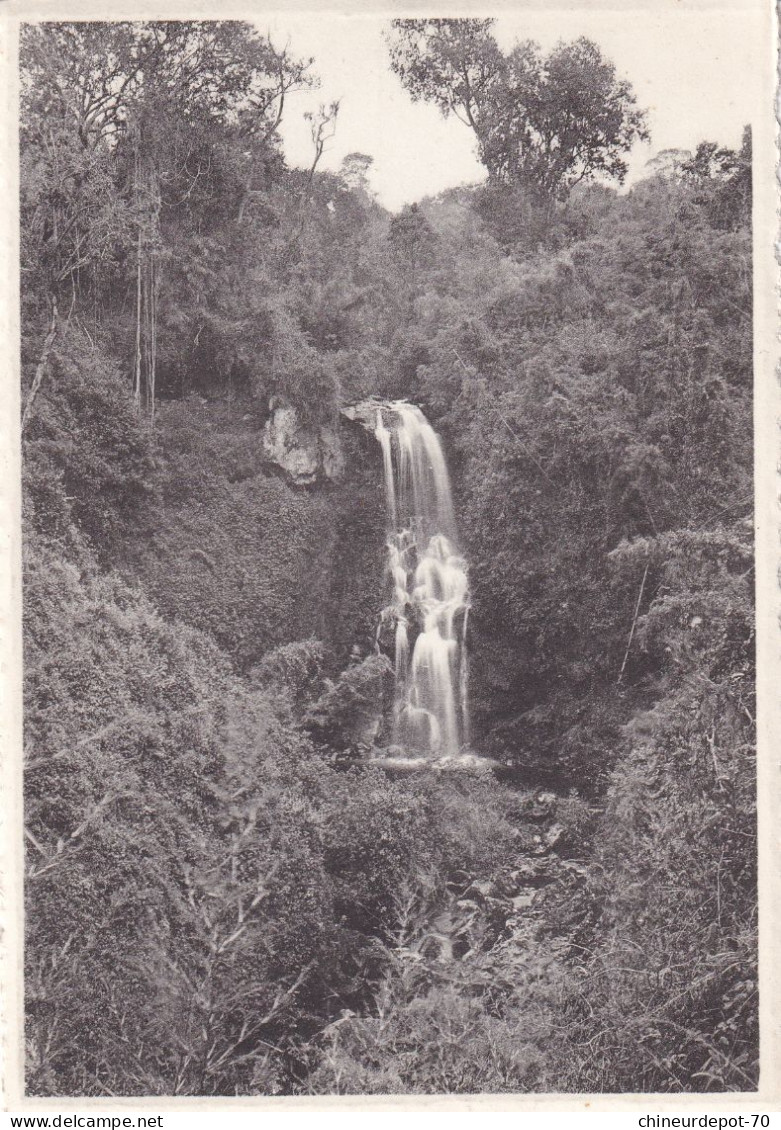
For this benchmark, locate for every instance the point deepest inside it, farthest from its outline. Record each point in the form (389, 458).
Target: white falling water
(429, 586)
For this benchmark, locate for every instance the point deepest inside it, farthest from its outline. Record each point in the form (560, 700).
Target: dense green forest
(224, 895)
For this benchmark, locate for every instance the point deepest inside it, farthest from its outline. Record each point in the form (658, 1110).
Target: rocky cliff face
(306, 454)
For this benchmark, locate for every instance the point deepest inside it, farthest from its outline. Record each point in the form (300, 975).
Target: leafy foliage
(675, 871)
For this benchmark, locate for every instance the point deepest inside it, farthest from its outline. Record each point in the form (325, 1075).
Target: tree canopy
(544, 122)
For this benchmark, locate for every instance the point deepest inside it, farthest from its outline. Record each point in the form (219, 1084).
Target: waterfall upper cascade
(429, 601)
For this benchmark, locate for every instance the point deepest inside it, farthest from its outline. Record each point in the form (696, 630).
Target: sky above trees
(696, 72)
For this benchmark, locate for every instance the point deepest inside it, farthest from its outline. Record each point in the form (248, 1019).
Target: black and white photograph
(386, 414)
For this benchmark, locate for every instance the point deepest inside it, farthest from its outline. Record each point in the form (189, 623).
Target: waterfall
(429, 589)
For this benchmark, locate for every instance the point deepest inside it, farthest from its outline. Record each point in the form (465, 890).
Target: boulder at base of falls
(306, 454)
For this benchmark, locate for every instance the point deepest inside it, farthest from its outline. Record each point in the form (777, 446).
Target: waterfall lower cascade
(429, 604)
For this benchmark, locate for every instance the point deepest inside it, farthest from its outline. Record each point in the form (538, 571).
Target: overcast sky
(694, 71)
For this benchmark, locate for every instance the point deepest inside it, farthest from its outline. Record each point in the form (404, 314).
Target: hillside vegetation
(223, 896)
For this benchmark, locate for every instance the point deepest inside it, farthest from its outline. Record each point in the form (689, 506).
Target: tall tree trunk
(153, 335)
(41, 367)
(137, 377)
